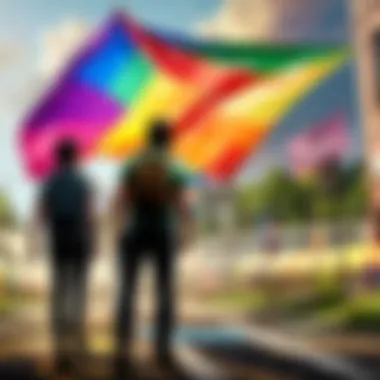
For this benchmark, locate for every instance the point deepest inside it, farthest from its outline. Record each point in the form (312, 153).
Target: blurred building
(366, 27)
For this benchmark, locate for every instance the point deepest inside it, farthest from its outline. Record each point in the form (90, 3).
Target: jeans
(70, 266)
(136, 246)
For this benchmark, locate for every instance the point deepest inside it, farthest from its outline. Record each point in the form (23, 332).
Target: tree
(345, 199)
(356, 197)
(288, 199)
(277, 195)
(7, 215)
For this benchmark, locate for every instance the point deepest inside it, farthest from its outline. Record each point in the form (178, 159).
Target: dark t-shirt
(65, 199)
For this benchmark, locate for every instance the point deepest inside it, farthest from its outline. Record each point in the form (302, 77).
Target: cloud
(59, 44)
(241, 19)
(56, 46)
(249, 20)
(9, 54)
(26, 76)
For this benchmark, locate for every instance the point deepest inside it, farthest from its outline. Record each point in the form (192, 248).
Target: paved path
(209, 351)
(207, 346)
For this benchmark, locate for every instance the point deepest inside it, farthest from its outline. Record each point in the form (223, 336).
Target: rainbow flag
(222, 100)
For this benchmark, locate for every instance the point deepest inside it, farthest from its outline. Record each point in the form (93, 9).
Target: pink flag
(317, 145)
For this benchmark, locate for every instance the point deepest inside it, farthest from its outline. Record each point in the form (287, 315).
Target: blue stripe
(103, 66)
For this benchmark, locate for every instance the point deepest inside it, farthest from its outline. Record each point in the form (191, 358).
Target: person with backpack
(152, 210)
(65, 210)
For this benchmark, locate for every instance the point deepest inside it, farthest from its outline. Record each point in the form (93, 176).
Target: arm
(183, 209)
(33, 243)
(91, 212)
(91, 220)
(119, 208)
(183, 206)
(182, 202)
(118, 205)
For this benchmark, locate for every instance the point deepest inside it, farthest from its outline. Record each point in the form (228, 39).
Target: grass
(243, 300)
(252, 300)
(329, 307)
(364, 313)
(9, 304)
(337, 315)
(318, 303)
(327, 302)
(359, 315)
(324, 273)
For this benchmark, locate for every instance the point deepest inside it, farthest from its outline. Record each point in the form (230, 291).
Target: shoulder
(128, 167)
(49, 183)
(180, 173)
(77, 180)
(85, 181)
(48, 188)
(78, 176)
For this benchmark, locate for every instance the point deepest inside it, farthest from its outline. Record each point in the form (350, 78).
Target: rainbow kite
(222, 100)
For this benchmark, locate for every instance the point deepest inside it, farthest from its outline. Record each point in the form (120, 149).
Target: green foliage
(317, 303)
(247, 300)
(288, 199)
(277, 194)
(355, 200)
(7, 215)
(364, 314)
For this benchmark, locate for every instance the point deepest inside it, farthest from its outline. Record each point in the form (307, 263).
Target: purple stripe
(74, 102)
(96, 42)
(76, 111)
(70, 109)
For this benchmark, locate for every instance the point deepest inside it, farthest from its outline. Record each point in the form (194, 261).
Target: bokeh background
(282, 253)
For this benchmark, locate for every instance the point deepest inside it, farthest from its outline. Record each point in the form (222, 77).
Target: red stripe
(226, 166)
(168, 58)
(218, 82)
(223, 87)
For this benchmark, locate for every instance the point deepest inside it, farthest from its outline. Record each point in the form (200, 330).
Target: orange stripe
(224, 86)
(204, 148)
(234, 150)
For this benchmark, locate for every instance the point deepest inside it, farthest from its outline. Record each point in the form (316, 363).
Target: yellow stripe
(248, 117)
(267, 103)
(261, 106)
(162, 98)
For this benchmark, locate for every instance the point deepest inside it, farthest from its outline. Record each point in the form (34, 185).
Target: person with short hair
(150, 205)
(65, 209)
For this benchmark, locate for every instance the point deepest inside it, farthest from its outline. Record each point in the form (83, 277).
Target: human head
(66, 153)
(160, 134)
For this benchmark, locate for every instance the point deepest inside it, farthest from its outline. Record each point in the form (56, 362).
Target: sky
(38, 36)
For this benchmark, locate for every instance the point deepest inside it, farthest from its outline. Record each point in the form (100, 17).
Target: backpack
(150, 182)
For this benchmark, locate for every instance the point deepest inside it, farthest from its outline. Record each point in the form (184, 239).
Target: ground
(230, 334)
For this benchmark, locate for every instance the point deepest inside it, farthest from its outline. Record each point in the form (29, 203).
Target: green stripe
(133, 78)
(264, 59)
